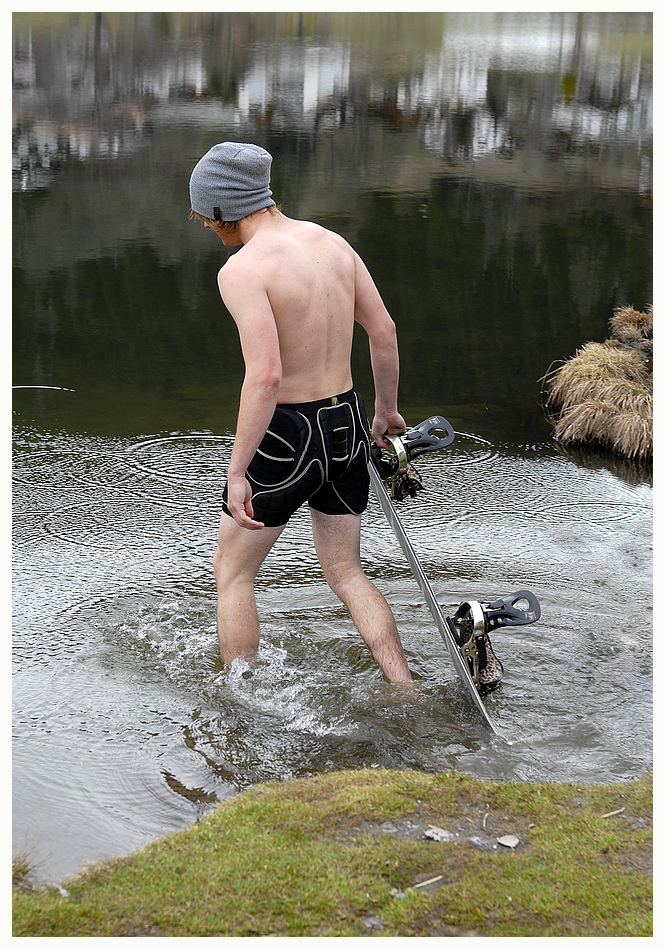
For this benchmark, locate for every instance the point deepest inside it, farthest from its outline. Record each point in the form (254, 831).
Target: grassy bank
(346, 854)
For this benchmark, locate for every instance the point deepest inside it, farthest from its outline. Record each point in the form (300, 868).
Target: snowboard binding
(470, 627)
(473, 621)
(396, 471)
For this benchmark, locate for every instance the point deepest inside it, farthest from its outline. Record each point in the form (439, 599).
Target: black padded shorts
(315, 452)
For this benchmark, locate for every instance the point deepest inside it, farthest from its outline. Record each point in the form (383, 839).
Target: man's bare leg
(337, 541)
(239, 555)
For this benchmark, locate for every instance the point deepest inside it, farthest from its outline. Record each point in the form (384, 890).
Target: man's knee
(337, 541)
(343, 575)
(228, 570)
(241, 552)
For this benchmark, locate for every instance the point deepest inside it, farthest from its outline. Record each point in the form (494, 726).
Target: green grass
(310, 858)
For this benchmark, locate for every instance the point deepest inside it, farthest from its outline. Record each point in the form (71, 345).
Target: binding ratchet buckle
(472, 623)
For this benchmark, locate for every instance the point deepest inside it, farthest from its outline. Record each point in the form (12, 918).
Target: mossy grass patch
(383, 853)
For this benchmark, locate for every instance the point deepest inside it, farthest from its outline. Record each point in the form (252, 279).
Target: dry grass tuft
(22, 866)
(628, 433)
(632, 326)
(603, 396)
(597, 367)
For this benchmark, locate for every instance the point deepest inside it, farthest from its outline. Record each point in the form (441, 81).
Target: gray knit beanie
(231, 181)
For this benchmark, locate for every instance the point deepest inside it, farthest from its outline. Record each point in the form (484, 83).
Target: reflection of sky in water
(93, 99)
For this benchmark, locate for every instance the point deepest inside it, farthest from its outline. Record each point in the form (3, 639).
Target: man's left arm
(250, 308)
(371, 313)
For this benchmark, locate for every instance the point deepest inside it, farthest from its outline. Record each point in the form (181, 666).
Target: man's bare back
(305, 275)
(295, 290)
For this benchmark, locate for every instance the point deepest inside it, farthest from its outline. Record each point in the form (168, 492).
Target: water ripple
(117, 679)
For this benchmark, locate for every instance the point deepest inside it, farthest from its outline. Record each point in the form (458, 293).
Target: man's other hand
(383, 425)
(239, 503)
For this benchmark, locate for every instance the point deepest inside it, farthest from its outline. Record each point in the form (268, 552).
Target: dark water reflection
(495, 173)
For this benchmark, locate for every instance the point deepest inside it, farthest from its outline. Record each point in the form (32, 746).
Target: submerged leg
(337, 541)
(239, 555)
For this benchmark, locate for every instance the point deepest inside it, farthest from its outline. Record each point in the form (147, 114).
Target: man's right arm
(371, 313)
(248, 304)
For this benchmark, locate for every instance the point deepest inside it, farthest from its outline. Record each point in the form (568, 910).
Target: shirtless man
(295, 290)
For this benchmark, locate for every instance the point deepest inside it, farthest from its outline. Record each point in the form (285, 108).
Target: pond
(495, 173)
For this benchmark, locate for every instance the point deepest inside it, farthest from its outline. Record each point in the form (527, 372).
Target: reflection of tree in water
(477, 304)
(94, 85)
(500, 236)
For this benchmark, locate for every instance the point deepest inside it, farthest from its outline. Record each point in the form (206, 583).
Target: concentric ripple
(126, 725)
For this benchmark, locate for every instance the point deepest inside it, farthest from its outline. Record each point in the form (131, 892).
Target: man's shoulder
(269, 249)
(236, 264)
(232, 276)
(324, 232)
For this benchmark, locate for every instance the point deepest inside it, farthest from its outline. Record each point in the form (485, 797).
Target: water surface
(495, 174)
